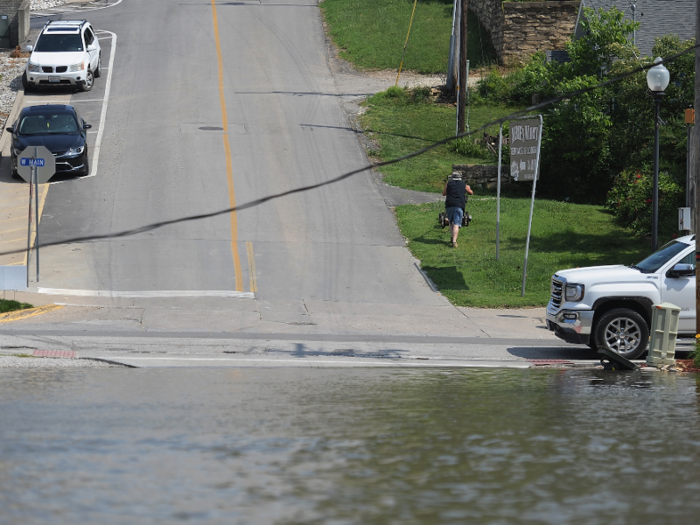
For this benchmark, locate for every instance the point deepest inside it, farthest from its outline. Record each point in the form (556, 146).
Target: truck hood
(593, 275)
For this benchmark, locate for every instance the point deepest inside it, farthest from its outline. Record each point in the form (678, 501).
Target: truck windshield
(657, 259)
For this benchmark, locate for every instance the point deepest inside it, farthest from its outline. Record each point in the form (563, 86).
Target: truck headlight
(77, 67)
(33, 68)
(574, 292)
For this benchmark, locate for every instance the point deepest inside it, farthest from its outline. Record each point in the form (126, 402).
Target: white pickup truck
(611, 306)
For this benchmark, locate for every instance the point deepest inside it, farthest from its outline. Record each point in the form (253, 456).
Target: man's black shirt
(456, 194)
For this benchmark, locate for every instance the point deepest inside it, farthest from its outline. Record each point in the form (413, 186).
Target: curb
(29, 312)
(5, 137)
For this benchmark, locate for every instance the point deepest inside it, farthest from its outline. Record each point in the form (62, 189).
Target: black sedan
(59, 129)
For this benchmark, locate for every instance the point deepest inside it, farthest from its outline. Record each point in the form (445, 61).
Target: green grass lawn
(11, 306)
(400, 122)
(563, 236)
(371, 34)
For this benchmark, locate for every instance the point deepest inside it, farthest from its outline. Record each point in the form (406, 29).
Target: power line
(302, 189)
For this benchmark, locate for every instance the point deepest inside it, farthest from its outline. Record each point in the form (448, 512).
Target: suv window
(89, 37)
(59, 43)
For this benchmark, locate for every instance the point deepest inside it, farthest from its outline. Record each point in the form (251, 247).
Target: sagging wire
(347, 175)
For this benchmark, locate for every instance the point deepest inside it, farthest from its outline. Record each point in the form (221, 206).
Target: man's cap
(456, 175)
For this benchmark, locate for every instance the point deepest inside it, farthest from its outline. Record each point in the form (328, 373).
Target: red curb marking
(54, 353)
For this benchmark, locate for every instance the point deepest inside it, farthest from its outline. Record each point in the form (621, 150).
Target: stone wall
(519, 29)
(10, 9)
(482, 176)
(536, 26)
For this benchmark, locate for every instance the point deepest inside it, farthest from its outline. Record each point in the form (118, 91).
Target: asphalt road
(209, 105)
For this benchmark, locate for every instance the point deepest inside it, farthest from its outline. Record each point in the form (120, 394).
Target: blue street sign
(32, 162)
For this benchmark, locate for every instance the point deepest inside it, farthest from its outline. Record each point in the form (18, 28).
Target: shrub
(630, 199)
(468, 147)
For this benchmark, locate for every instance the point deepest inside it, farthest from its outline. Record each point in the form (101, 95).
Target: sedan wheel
(623, 331)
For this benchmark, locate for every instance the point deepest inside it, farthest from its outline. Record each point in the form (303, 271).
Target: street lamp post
(658, 78)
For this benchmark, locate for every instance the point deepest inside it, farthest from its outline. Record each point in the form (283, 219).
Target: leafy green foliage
(467, 147)
(589, 139)
(695, 355)
(630, 200)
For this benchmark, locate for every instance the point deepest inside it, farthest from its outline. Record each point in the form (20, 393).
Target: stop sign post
(35, 164)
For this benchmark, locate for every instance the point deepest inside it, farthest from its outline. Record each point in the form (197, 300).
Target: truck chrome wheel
(623, 331)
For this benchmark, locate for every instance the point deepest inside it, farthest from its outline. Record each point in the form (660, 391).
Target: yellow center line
(227, 151)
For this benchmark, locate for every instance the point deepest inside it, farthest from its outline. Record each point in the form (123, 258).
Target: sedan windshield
(657, 259)
(59, 43)
(46, 124)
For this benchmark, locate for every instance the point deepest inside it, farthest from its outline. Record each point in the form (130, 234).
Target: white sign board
(40, 157)
(524, 143)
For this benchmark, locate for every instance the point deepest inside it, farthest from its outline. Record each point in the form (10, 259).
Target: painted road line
(251, 267)
(227, 152)
(149, 294)
(105, 104)
(29, 312)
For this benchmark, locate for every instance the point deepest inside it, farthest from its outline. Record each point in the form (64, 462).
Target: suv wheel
(89, 81)
(98, 69)
(623, 331)
(26, 84)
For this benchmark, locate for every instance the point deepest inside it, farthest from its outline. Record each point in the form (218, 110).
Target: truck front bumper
(573, 326)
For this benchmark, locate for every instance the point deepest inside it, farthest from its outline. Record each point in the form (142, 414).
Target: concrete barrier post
(664, 331)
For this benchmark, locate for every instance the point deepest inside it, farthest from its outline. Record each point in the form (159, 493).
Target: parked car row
(66, 53)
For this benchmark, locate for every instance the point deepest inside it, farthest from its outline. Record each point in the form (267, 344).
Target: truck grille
(557, 292)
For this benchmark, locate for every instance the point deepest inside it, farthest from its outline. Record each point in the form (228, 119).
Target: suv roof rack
(65, 23)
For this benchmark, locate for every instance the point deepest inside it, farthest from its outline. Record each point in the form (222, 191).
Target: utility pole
(695, 167)
(462, 88)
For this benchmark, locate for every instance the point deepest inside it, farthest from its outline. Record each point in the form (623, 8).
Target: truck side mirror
(681, 270)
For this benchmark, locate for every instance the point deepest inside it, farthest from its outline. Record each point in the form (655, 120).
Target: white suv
(66, 53)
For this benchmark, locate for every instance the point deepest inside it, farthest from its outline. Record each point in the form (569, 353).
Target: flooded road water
(360, 446)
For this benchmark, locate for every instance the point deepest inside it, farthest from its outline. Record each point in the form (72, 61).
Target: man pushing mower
(456, 201)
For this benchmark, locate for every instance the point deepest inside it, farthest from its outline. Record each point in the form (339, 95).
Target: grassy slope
(563, 236)
(400, 126)
(371, 34)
